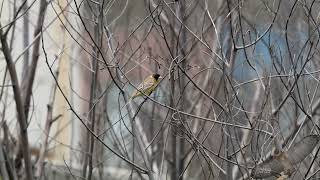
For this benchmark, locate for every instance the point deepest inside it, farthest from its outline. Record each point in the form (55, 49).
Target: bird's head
(156, 76)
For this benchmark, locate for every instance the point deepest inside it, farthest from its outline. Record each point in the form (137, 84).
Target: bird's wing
(147, 83)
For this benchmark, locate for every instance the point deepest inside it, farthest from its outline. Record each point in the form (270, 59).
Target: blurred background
(238, 99)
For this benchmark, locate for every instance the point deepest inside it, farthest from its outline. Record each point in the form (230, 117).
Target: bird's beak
(160, 77)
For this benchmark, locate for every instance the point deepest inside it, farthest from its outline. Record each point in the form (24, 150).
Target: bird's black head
(156, 76)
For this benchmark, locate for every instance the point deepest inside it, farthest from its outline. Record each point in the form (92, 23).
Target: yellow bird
(147, 86)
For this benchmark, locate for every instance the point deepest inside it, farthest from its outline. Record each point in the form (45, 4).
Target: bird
(147, 86)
